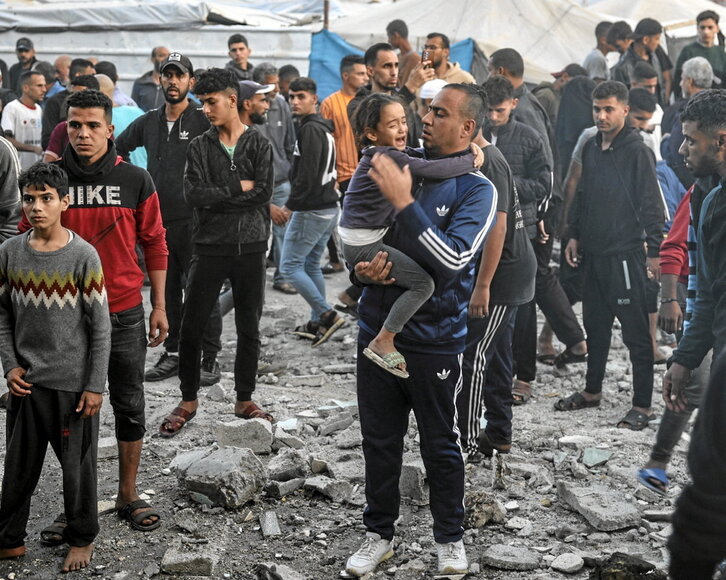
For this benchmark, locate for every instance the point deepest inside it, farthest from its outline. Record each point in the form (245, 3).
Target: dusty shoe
(167, 366)
(452, 558)
(210, 373)
(372, 552)
(329, 323)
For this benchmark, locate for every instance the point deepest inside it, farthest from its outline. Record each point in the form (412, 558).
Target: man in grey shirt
(595, 62)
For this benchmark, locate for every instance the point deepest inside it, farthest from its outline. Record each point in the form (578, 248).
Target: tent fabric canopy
(672, 11)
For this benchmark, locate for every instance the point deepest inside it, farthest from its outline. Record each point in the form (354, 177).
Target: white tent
(549, 34)
(666, 12)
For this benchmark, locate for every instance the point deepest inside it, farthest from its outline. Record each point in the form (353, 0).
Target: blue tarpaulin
(327, 49)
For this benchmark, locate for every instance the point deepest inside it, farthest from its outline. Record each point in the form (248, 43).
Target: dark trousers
(570, 278)
(246, 273)
(49, 416)
(384, 404)
(615, 286)
(552, 300)
(126, 373)
(487, 371)
(681, 569)
(179, 242)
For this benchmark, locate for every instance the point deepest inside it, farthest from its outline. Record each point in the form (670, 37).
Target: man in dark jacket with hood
(618, 207)
(228, 183)
(313, 210)
(167, 151)
(146, 91)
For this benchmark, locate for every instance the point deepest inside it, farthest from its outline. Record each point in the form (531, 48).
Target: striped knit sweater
(54, 320)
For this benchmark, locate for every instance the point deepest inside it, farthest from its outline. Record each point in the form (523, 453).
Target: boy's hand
(90, 404)
(158, 327)
(16, 384)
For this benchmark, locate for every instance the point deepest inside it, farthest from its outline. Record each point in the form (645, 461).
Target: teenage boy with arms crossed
(55, 340)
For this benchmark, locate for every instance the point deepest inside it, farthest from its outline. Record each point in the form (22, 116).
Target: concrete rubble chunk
(254, 434)
(604, 509)
(352, 470)
(287, 464)
(506, 557)
(107, 448)
(594, 457)
(568, 563)
(335, 423)
(305, 380)
(349, 438)
(269, 524)
(216, 393)
(339, 369)
(289, 425)
(229, 477)
(318, 465)
(278, 489)
(285, 439)
(482, 508)
(187, 561)
(276, 571)
(338, 491)
(658, 515)
(412, 483)
(576, 441)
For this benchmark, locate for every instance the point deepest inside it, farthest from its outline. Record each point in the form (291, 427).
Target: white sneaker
(372, 552)
(452, 558)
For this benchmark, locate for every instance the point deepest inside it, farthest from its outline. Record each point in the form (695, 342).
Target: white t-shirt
(25, 126)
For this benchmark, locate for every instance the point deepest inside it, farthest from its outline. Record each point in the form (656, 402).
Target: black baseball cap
(24, 44)
(247, 89)
(179, 61)
(571, 70)
(646, 27)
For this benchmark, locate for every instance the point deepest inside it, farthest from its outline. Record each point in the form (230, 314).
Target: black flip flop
(567, 357)
(127, 513)
(54, 529)
(575, 402)
(635, 420)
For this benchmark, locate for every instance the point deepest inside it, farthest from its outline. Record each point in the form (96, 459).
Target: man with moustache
(166, 133)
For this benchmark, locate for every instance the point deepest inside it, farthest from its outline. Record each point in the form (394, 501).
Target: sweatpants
(408, 274)
(384, 404)
(49, 416)
(487, 371)
(555, 305)
(615, 286)
(246, 273)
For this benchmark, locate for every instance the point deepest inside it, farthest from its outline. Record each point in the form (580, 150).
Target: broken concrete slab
(339, 369)
(269, 524)
(187, 561)
(568, 563)
(276, 571)
(349, 438)
(216, 393)
(352, 469)
(305, 380)
(287, 464)
(285, 439)
(338, 491)
(254, 434)
(107, 448)
(289, 425)
(658, 515)
(576, 441)
(279, 489)
(228, 477)
(335, 423)
(594, 457)
(604, 509)
(412, 483)
(506, 557)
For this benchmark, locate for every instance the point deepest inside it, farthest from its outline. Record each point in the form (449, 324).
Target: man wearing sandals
(442, 226)
(114, 207)
(228, 183)
(618, 212)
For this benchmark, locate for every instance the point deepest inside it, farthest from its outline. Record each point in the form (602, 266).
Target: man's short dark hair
(397, 27)
(474, 107)
(88, 81)
(508, 59)
(78, 66)
(602, 29)
(41, 175)
(444, 39)
(642, 71)
(349, 61)
(304, 84)
(216, 80)
(608, 89)
(287, 72)
(153, 51)
(707, 109)
(642, 100)
(371, 56)
(47, 70)
(262, 71)
(106, 67)
(91, 99)
(620, 30)
(236, 39)
(26, 76)
(707, 15)
(498, 89)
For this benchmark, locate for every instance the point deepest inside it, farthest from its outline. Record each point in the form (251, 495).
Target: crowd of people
(442, 196)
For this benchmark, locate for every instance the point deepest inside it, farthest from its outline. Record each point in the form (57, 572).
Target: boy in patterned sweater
(55, 340)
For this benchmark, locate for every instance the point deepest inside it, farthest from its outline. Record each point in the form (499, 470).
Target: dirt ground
(318, 535)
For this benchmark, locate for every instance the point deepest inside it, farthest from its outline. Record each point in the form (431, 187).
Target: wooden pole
(326, 14)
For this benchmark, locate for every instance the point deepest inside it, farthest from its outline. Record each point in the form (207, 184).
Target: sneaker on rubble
(372, 552)
(167, 366)
(452, 558)
(210, 373)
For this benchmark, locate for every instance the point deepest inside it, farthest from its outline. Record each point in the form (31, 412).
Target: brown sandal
(252, 411)
(174, 421)
(521, 392)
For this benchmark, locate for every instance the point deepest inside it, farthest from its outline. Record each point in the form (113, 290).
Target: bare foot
(78, 557)
(7, 553)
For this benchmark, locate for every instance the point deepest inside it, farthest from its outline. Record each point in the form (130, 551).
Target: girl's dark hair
(41, 175)
(368, 114)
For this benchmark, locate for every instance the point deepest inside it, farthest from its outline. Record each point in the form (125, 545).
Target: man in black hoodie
(618, 207)
(228, 183)
(313, 210)
(166, 133)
